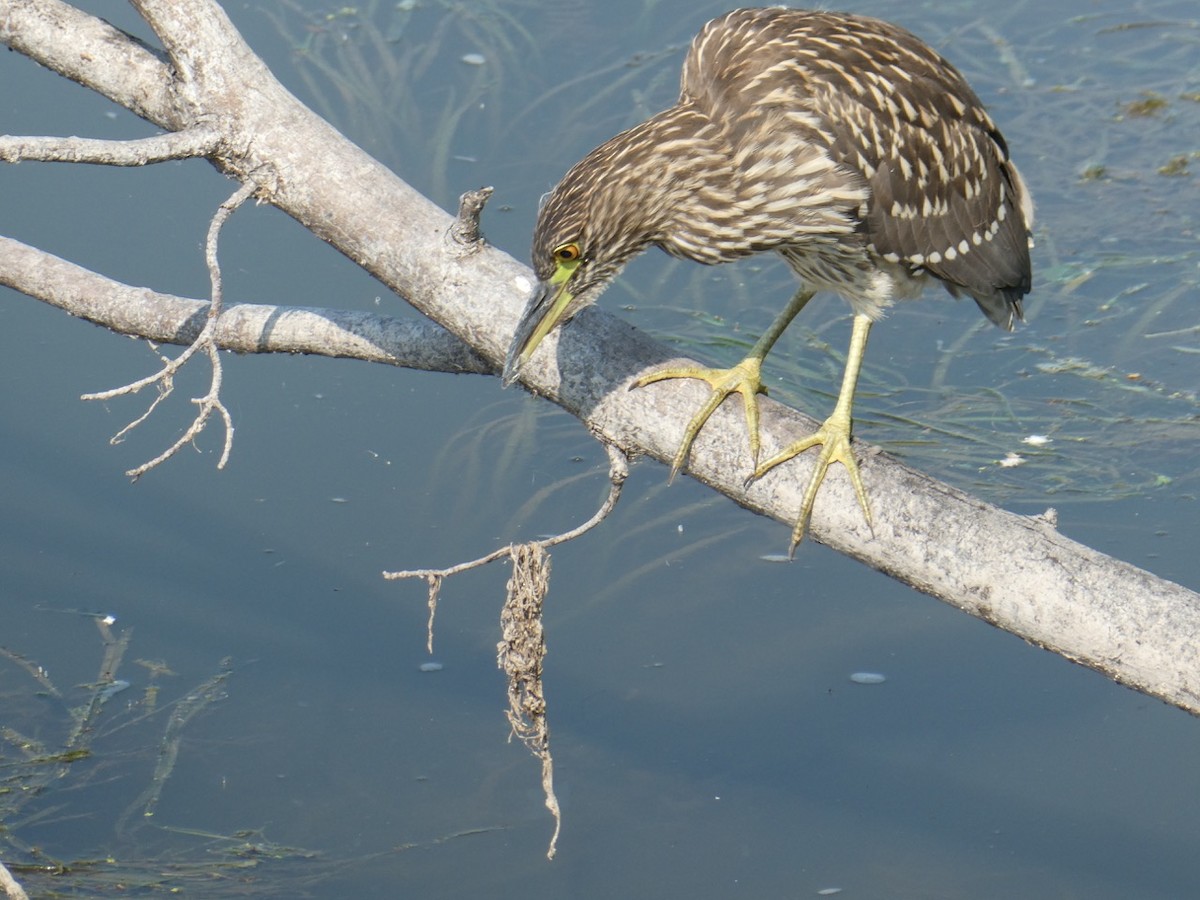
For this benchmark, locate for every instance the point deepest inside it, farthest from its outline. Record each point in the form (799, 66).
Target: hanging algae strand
(520, 654)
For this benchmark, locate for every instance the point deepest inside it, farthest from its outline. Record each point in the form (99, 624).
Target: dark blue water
(707, 737)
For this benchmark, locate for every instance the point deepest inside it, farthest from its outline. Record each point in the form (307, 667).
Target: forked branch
(205, 343)
(618, 472)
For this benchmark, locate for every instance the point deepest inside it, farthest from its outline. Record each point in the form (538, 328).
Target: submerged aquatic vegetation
(53, 755)
(417, 85)
(435, 86)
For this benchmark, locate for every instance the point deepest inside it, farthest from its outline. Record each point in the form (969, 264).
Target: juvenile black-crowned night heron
(843, 143)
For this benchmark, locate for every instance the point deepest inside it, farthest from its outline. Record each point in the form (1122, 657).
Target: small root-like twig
(618, 471)
(205, 343)
(523, 641)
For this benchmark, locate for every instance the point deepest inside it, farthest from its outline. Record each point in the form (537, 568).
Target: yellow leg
(744, 378)
(833, 436)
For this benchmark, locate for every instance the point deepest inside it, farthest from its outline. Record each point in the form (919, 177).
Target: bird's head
(588, 227)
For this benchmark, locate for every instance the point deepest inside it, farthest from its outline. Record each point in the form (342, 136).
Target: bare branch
(244, 327)
(205, 341)
(88, 50)
(197, 141)
(523, 644)
(226, 209)
(209, 403)
(618, 472)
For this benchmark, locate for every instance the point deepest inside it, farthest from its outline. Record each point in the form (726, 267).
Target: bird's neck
(657, 178)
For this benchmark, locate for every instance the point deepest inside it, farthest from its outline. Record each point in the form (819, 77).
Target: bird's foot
(744, 378)
(834, 438)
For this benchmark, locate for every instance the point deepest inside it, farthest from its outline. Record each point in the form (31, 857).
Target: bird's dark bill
(545, 310)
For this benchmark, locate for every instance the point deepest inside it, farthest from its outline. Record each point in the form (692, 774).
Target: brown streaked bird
(843, 143)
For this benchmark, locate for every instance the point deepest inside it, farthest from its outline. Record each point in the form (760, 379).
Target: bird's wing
(944, 194)
(887, 111)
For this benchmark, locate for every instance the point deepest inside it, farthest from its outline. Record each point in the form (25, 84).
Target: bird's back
(871, 149)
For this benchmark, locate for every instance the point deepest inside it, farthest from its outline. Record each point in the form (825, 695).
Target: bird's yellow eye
(568, 253)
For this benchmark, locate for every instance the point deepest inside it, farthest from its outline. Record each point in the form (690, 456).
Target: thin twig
(205, 342)
(618, 472)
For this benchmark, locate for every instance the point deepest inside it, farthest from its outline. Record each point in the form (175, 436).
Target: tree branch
(89, 51)
(243, 328)
(198, 141)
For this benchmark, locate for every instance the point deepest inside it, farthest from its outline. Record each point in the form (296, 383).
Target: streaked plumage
(841, 142)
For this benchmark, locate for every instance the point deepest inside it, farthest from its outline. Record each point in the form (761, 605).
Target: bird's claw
(834, 438)
(743, 378)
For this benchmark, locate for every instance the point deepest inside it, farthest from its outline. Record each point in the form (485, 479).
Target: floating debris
(474, 59)
(828, 892)
(431, 667)
(868, 678)
(775, 558)
(1175, 166)
(1036, 440)
(1073, 365)
(1150, 104)
(112, 689)
(1011, 461)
